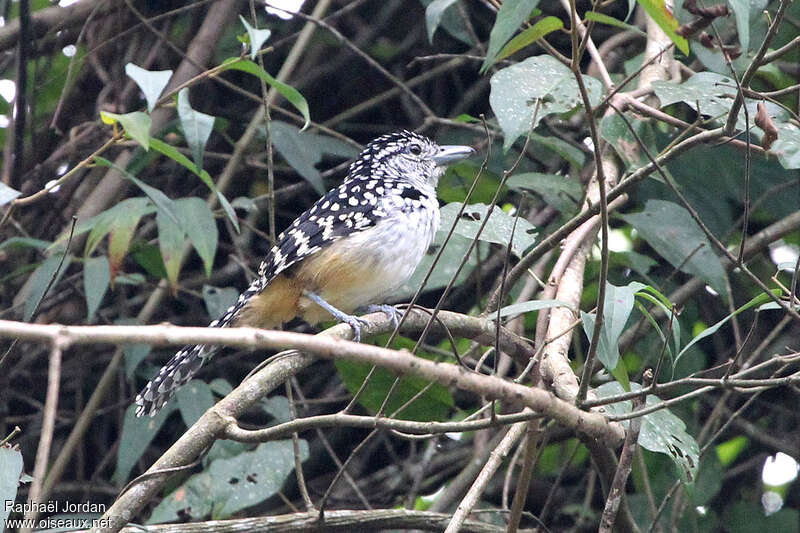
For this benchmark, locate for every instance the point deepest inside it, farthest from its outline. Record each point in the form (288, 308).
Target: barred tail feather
(188, 361)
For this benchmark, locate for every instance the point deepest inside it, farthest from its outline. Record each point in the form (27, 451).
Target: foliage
(141, 184)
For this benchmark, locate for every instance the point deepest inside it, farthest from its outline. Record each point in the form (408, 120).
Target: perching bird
(353, 248)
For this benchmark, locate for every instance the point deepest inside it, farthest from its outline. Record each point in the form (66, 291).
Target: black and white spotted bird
(353, 248)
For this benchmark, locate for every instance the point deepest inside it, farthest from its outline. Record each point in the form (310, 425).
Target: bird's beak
(450, 154)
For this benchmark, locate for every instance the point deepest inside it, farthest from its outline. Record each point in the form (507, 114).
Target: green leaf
(433, 15)
(758, 300)
(615, 130)
(27, 242)
(672, 232)
(530, 35)
(741, 10)
(11, 465)
(611, 21)
(300, 154)
(257, 37)
(7, 194)
(134, 353)
(516, 89)
(558, 191)
(617, 307)
(136, 124)
(170, 243)
(530, 305)
(151, 82)
(96, 278)
(290, 93)
(446, 267)
(198, 222)
(731, 449)
(231, 484)
(663, 16)
(162, 202)
(40, 280)
(219, 299)
(435, 404)
(123, 224)
(746, 517)
(181, 159)
(497, 230)
(196, 126)
(137, 434)
(661, 431)
(510, 16)
(194, 399)
(787, 146)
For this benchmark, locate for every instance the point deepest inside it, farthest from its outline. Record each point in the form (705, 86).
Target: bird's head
(408, 156)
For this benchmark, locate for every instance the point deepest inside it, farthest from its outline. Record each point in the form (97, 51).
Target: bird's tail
(185, 364)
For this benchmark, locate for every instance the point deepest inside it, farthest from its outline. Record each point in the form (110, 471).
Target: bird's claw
(391, 311)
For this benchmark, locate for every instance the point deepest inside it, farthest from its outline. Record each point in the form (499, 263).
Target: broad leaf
(198, 222)
(515, 91)
(257, 37)
(530, 305)
(510, 16)
(96, 278)
(194, 399)
(661, 431)
(674, 234)
(231, 484)
(46, 275)
(151, 82)
(136, 125)
(137, 434)
(531, 35)
(170, 243)
(497, 230)
(196, 126)
(7, 194)
(219, 299)
(433, 15)
(558, 191)
(663, 16)
(11, 465)
(290, 93)
(617, 307)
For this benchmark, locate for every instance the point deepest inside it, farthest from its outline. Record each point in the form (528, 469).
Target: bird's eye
(415, 149)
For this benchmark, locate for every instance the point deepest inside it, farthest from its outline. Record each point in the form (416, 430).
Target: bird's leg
(352, 320)
(391, 311)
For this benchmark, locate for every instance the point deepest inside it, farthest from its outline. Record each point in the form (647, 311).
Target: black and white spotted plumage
(387, 211)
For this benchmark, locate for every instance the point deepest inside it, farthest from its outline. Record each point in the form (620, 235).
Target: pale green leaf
(198, 222)
(7, 194)
(136, 125)
(287, 91)
(96, 279)
(529, 36)
(196, 126)
(257, 37)
(151, 82)
(662, 15)
(433, 15)
(497, 230)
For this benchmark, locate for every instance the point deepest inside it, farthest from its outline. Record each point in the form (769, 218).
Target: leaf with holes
(661, 432)
(231, 484)
(497, 230)
(219, 299)
(515, 91)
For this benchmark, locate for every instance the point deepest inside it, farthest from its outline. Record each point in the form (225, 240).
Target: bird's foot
(353, 321)
(391, 311)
